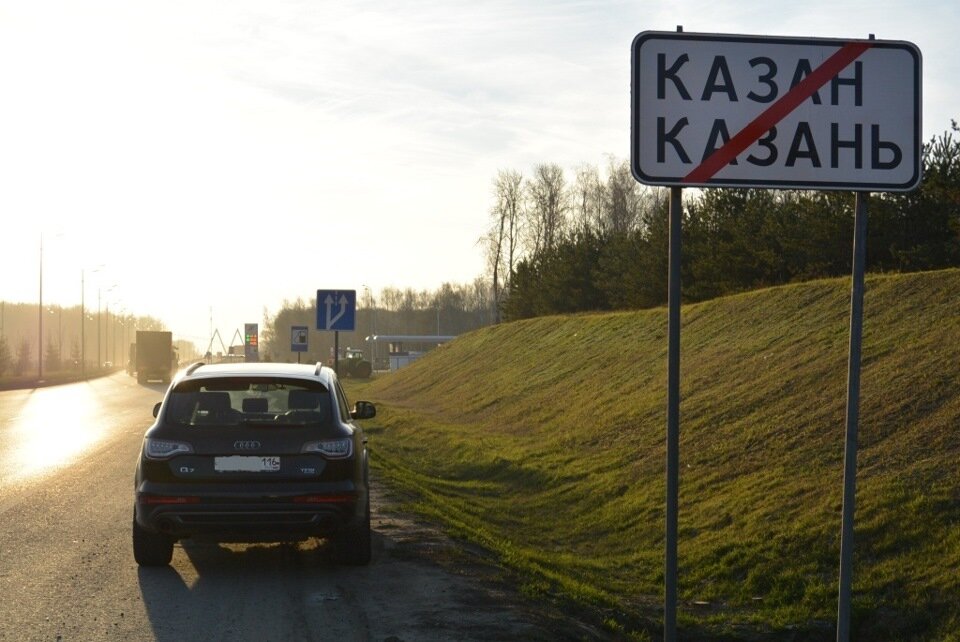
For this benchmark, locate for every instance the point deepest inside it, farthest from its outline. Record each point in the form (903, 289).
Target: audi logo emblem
(246, 445)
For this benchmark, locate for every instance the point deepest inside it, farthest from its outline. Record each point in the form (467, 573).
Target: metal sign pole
(853, 416)
(336, 352)
(673, 419)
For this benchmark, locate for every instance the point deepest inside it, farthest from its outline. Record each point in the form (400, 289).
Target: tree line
(599, 242)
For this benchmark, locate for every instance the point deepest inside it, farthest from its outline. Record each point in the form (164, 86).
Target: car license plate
(246, 464)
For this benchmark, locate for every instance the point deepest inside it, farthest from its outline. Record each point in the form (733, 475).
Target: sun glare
(54, 428)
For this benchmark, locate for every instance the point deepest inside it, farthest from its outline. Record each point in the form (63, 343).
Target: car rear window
(265, 401)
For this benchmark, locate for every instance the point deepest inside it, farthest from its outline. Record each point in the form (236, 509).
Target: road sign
(251, 348)
(298, 338)
(715, 110)
(336, 309)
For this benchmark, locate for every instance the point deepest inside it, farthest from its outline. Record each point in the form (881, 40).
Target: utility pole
(83, 327)
(40, 315)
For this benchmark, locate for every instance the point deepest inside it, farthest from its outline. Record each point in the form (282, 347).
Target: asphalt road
(67, 572)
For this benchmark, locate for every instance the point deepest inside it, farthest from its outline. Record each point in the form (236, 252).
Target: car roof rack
(319, 367)
(193, 367)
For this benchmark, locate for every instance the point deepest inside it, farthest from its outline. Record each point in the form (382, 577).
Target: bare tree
(589, 196)
(623, 214)
(547, 208)
(391, 298)
(481, 303)
(502, 237)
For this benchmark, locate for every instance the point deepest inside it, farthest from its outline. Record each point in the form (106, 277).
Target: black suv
(253, 452)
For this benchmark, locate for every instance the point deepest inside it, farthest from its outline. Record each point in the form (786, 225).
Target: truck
(354, 365)
(155, 356)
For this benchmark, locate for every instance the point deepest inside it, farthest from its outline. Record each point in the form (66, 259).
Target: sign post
(673, 417)
(853, 417)
(714, 110)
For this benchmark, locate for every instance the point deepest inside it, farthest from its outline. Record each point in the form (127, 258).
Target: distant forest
(600, 243)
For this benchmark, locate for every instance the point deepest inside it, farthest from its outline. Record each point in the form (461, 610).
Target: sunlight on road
(53, 428)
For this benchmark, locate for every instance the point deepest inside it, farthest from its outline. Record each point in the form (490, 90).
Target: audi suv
(253, 452)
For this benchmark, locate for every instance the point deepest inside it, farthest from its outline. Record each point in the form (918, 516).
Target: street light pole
(40, 315)
(371, 311)
(83, 327)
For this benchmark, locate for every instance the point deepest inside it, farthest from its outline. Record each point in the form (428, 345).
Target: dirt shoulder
(471, 597)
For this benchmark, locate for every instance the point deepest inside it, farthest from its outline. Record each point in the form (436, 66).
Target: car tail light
(330, 448)
(325, 499)
(164, 448)
(167, 499)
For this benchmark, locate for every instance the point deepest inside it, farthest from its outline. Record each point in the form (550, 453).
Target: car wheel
(354, 544)
(151, 549)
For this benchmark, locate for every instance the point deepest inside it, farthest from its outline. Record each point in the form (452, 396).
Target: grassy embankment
(543, 441)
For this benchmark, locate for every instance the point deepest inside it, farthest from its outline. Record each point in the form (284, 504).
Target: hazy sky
(227, 155)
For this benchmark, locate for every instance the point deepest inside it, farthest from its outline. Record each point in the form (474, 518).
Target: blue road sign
(298, 338)
(336, 309)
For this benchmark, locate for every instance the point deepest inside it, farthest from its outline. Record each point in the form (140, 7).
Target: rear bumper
(250, 514)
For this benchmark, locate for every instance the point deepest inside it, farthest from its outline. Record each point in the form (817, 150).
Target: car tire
(354, 545)
(151, 549)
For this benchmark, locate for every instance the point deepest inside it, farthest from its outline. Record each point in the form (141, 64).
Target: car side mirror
(156, 409)
(363, 410)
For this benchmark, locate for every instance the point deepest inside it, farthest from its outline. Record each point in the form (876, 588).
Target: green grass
(544, 441)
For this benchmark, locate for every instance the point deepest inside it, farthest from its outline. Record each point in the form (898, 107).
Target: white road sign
(716, 110)
(298, 338)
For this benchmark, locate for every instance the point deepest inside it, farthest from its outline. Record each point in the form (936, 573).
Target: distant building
(403, 349)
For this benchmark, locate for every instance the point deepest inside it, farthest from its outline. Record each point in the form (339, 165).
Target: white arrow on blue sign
(336, 309)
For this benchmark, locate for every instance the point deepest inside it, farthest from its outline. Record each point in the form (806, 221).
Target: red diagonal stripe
(776, 112)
